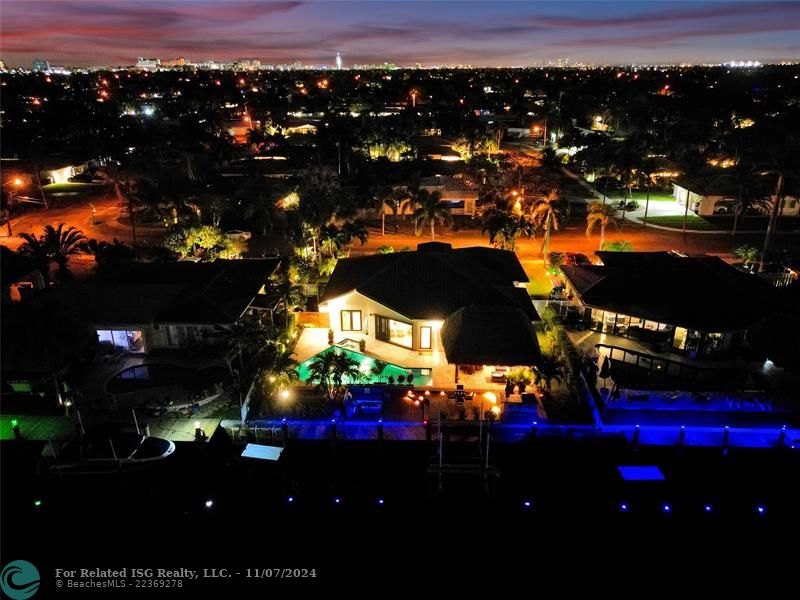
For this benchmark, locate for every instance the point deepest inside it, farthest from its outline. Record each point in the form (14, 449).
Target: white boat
(106, 453)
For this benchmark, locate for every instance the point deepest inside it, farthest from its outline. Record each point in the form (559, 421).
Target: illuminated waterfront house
(434, 306)
(694, 305)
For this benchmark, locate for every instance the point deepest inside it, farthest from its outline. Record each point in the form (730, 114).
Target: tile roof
(434, 281)
(700, 292)
(490, 335)
(181, 292)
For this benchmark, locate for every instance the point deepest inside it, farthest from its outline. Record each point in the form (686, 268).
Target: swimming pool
(149, 375)
(365, 366)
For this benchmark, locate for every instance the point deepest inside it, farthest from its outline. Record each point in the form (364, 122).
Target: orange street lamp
(17, 181)
(414, 99)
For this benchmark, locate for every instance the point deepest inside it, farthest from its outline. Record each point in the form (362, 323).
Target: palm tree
(548, 370)
(123, 182)
(330, 369)
(504, 229)
(377, 369)
(240, 339)
(320, 371)
(109, 255)
(346, 368)
(55, 245)
(599, 215)
(746, 179)
(35, 248)
(647, 167)
(429, 211)
(350, 231)
(320, 200)
(63, 244)
(783, 162)
(546, 214)
(281, 367)
(395, 199)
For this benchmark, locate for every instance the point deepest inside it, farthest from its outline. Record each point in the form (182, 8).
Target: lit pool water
(365, 362)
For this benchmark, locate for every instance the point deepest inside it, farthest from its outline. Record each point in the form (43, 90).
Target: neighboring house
(713, 196)
(434, 148)
(62, 170)
(172, 305)
(299, 128)
(698, 306)
(457, 196)
(19, 276)
(469, 304)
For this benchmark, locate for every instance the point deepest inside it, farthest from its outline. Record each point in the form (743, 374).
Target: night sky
(92, 32)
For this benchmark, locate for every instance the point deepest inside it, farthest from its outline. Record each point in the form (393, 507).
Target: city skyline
(500, 34)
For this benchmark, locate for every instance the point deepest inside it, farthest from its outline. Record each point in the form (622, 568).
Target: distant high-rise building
(171, 63)
(247, 64)
(338, 61)
(148, 64)
(40, 65)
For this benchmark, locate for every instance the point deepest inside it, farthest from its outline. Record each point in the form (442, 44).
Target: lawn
(693, 222)
(655, 196)
(73, 188)
(540, 285)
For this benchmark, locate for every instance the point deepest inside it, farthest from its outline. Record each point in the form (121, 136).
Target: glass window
(714, 342)
(608, 322)
(622, 325)
(597, 319)
(635, 328)
(351, 320)
(425, 338)
(396, 332)
(400, 333)
(679, 341)
(651, 325)
(120, 339)
(104, 337)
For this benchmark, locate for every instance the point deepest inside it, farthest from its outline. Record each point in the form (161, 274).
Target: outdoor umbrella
(605, 368)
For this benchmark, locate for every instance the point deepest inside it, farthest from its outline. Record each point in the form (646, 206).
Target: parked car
(238, 234)
(724, 207)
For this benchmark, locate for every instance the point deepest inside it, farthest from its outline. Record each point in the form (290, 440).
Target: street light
(414, 99)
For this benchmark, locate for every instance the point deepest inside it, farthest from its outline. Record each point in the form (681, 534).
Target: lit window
(351, 320)
(425, 338)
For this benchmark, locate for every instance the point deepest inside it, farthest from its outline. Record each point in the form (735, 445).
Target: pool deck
(314, 341)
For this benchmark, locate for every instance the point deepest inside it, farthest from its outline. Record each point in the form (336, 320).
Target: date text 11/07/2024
(260, 573)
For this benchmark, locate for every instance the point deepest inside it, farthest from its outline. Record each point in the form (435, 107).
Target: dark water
(393, 517)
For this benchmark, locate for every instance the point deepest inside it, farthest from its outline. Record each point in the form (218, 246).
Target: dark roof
(699, 292)
(180, 292)
(724, 184)
(490, 335)
(434, 281)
